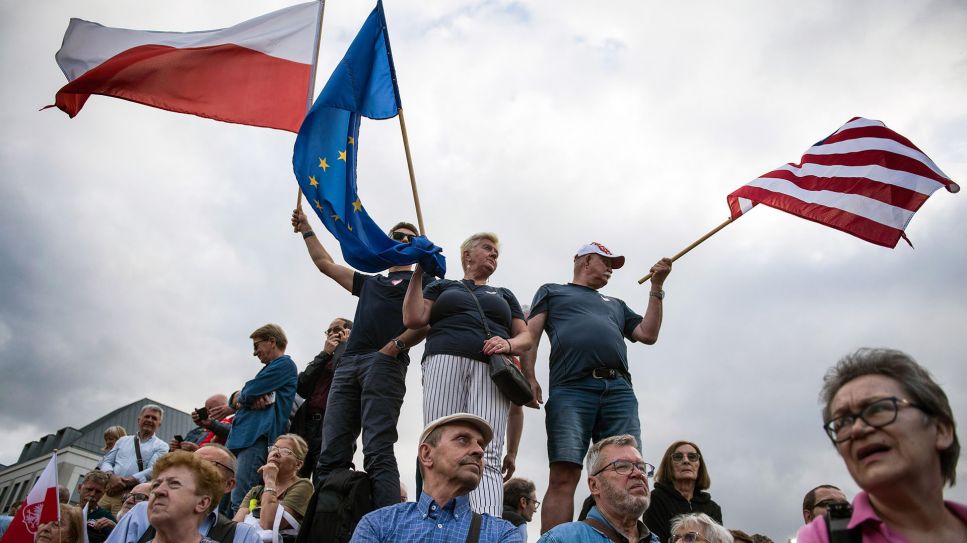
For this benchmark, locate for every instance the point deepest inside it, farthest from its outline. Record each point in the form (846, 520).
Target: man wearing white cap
(451, 461)
(591, 396)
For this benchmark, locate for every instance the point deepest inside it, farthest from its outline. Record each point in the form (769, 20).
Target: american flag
(864, 179)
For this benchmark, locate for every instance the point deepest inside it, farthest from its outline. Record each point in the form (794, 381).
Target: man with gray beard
(618, 481)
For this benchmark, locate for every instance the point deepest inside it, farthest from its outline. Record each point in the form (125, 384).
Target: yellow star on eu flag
(323, 164)
(342, 156)
(357, 206)
(318, 205)
(335, 217)
(313, 182)
(351, 140)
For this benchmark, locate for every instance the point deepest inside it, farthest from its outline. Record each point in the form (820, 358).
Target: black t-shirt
(379, 313)
(455, 326)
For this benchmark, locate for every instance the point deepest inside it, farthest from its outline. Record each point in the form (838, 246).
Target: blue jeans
(247, 464)
(581, 413)
(366, 394)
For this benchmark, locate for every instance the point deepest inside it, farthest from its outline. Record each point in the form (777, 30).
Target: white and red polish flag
(40, 507)
(864, 179)
(255, 73)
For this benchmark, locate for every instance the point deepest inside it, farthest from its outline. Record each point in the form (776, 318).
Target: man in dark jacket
(314, 384)
(520, 503)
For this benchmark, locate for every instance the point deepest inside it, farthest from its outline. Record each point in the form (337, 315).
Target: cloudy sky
(141, 247)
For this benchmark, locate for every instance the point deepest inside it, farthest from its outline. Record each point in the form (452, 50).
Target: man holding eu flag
(369, 382)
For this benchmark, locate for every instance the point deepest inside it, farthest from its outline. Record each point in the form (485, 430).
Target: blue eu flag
(324, 158)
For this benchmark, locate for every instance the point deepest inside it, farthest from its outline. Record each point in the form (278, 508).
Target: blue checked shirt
(426, 522)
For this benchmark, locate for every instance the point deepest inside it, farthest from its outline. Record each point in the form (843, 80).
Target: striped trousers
(456, 384)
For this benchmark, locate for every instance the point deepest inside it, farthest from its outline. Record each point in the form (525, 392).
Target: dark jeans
(247, 464)
(312, 433)
(367, 394)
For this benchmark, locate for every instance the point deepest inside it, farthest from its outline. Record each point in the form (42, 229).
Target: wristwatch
(660, 294)
(399, 345)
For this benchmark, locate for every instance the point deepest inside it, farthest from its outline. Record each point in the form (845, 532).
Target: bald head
(222, 459)
(216, 401)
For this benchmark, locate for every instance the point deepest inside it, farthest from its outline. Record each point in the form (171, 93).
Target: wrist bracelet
(660, 294)
(307, 235)
(272, 490)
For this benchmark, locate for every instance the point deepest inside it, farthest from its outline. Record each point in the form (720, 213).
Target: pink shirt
(874, 529)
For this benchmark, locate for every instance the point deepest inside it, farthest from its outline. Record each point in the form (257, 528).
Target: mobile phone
(202, 413)
(179, 439)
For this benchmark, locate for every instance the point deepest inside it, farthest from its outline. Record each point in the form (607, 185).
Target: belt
(316, 416)
(605, 373)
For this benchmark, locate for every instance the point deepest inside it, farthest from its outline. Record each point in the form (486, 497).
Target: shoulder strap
(839, 532)
(483, 318)
(137, 451)
(473, 536)
(612, 534)
(223, 530)
(148, 535)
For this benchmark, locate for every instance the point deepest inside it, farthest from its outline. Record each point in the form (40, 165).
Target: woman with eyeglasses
(279, 504)
(679, 489)
(698, 528)
(456, 375)
(893, 426)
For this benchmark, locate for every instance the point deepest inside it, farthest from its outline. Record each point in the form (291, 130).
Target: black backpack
(336, 507)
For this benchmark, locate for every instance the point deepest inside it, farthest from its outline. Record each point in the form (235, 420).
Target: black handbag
(504, 373)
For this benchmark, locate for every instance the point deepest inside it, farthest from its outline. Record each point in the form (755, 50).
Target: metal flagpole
(692, 246)
(312, 82)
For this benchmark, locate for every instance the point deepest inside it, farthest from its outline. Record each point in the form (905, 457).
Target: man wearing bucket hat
(450, 456)
(591, 396)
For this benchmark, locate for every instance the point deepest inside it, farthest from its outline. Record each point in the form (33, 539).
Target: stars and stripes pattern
(864, 179)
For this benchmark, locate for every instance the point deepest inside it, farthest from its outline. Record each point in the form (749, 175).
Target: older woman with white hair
(698, 528)
(456, 376)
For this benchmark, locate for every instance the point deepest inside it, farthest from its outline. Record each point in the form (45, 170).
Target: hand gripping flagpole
(692, 246)
(312, 82)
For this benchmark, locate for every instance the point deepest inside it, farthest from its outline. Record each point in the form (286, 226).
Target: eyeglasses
(400, 236)
(334, 329)
(624, 467)
(687, 537)
(876, 415)
(535, 502)
(692, 457)
(136, 497)
(284, 451)
(255, 345)
(223, 466)
(826, 503)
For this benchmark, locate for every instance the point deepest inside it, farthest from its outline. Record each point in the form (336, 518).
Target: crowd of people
(263, 463)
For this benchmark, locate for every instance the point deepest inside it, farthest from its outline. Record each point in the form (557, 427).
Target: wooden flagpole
(692, 246)
(409, 165)
(312, 83)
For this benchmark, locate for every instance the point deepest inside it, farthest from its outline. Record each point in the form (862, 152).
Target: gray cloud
(141, 247)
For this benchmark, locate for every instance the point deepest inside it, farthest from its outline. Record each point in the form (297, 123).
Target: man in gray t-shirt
(590, 395)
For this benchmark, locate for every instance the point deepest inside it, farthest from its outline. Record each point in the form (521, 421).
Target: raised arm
(528, 359)
(647, 331)
(320, 256)
(416, 308)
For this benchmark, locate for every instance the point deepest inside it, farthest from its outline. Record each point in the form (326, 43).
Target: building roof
(91, 436)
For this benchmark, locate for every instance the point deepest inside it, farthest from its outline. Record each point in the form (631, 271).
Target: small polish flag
(40, 507)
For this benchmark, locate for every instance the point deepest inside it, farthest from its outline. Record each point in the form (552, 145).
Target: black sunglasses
(400, 236)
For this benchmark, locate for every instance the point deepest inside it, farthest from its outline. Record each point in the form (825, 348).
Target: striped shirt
(426, 522)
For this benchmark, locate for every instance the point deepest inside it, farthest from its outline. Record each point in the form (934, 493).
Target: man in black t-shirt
(591, 396)
(370, 380)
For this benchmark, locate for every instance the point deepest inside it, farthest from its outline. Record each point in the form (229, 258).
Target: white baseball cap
(596, 248)
(473, 420)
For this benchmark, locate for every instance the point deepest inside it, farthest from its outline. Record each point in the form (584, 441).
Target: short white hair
(710, 530)
(152, 407)
(594, 453)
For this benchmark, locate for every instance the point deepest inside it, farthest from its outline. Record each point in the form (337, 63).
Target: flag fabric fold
(256, 72)
(40, 507)
(864, 179)
(325, 154)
